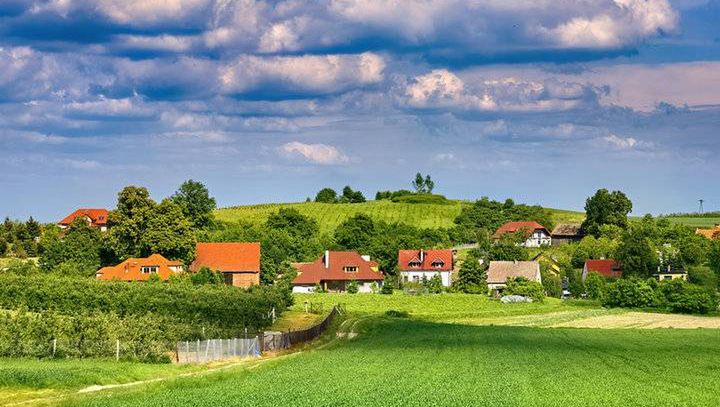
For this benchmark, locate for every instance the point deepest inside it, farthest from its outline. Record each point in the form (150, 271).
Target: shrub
(679, 296)
(434, 284)
(397, 314)
(595, 286)
(523, 286)
(352, 287)
(630, 293)
(702, 276)
(413, 198)
(552, 285)
(388, 284)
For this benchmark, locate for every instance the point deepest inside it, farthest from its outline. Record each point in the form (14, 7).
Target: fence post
(54, 346)
(197, 351)
(207, 348)
(117, 349)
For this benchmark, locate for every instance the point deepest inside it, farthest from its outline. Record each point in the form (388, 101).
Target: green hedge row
(221, 306)
(674, 296)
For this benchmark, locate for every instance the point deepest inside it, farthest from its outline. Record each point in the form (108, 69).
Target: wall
(412, 275)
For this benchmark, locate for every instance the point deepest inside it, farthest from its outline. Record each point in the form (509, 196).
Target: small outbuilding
(607, 268)
(669, 273)
(567, 233)
(499, 272)
(239, 262)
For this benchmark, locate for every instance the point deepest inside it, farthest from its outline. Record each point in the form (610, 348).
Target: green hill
(331, 215)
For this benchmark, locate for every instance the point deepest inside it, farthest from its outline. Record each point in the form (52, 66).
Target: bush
(523, 286)
(629, 293)
(413, 198)
(397, 314)
(595, 286)
(679, 296)
(352, 287)
(388, 285)
(552, 285)
(434, 284)
(702, 276)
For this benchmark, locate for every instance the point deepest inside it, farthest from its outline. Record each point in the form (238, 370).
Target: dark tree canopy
(326, 195)
(196, 203)
(606, 208)
(169, 233)
(355, 233)
(129, 221)
(79, 247)
(637, 255)
(471, 277)
(351, 196)
(293, 222)
(490, 215)
(423, 185)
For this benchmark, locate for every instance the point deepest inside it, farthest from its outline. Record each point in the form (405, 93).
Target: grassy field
(331, 215)
(445, 353)
(698, 222)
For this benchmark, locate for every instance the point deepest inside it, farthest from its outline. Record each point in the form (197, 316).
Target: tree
(78, 250)
(3, 246)
(388, 285)
(350, 196)
(326, 195)
(292, 221)
(551, 283)
(575, 284)
(206, 276)
(429, 184)
(196, 203)
(128, 223)
(508, 249)
(169, 233)
(606, 208)
(355, 233)
(523, 286)
(637, 255)
(595, 285)
(352, 287)
(714, 257)
(33, 228)
(418, 183)
(471, 277)
(434, 284)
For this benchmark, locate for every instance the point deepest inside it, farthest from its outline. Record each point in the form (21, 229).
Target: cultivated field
(331, 215)
(698, 222)
(461, 350)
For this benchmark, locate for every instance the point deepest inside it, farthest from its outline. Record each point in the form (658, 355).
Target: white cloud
(311, 73)
(316, 153)
(625, 143)
(138, 12)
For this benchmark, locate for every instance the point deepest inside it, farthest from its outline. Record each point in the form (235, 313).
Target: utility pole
(701, 205)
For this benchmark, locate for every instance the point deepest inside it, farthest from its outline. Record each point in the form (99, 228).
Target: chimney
(327, 259)
(422, 256)
(365, 257)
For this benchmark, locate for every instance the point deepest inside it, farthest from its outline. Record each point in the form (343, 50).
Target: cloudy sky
(543, 101)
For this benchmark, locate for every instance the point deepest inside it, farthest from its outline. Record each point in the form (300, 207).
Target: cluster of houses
(333, 271)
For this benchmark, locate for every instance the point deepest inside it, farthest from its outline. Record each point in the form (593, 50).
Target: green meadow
(696, 222)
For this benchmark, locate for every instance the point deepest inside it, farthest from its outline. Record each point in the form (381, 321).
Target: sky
(542, 101)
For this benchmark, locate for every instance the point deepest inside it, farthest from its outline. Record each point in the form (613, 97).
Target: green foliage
(594, 248)
(507, 249)
(606, 208)
(471, 277)
(434, 284)
(355, 233)
(78, 248)
(523, 286)
(426, 198)
(326, 195)
(575, 284)
(551, 284)
(169, 233)
(388, 285)
(490, 215)
(714, 256)
(352, 287)
(292, 222)
(21, 267)
(196, 203)
(629, 293)
(679, 296)
(636, 254)
(423, 185)
(703, 276)
(595, 286)
(350, 196)
(3, 246)
(207, 276)
(128, 223)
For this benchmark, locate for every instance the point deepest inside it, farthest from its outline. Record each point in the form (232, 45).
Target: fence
(217, 349)
(283, 340)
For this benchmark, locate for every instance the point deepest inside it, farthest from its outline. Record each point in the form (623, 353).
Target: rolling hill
(331, 215)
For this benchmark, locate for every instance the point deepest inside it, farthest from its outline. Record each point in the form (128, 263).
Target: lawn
(331, 215)
(396, 362)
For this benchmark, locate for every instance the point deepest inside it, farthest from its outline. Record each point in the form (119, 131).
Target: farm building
(535, 234)
(334, 270)
(95, 218)
(239, 262)
(550, 261)
(670, 273)
(416, 265)
(711, 233)
(567, 233)
(140, 269)
(500, 271)
(607, 268)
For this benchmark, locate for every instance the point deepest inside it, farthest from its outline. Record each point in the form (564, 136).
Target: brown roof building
(500, 271)
(95, 217)
(567, 233)
(238, 261)
(140, 269)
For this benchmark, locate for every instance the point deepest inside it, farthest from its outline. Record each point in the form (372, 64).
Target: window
(350, 269)
(228, 277)
(415, 264)
(148, 269)
(667, 277)
(438, 264)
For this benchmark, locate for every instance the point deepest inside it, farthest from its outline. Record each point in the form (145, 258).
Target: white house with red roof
(419, 265)
(335, 270)
(95, 218)
(535, 234)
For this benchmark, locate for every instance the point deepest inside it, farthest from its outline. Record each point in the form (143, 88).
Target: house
(500, 271)
(567, 233)
(550, 261)
(334, 270)
(95, 218)
(238, 262)
(535, 234)
(711, 233)
(607, 268)
(670, 273)
(416, 265)
(140, 269)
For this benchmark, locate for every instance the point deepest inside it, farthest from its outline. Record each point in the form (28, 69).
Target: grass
(696, 222)
(329, 216)
(412, 362)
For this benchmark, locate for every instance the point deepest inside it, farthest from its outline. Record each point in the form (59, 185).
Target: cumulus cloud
(309, 73)
(624, 143)
(315, 153)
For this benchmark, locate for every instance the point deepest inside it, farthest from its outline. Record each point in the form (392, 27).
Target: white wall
(303, 289)
(412, 276)
(537, 239)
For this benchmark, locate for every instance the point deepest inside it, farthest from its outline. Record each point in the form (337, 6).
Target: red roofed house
(606, 268)
(416, 265)
(536, 235)
(334, 270)
(239, 262)
(140, 269)
(94, 217)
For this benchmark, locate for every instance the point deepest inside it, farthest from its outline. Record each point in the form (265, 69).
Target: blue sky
(269, 101)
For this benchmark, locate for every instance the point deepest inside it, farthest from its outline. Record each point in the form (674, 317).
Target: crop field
(696, 222)
(330, 215)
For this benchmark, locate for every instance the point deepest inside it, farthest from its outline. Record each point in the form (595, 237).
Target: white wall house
(535, 234)
(414, 265)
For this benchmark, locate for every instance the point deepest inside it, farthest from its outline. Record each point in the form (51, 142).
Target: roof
(568, 229)
(712, 233)
(98, 217)
(500, 271)
(605, 267)
(316, 272)
(513, 227)
(227, 257)
(426, 258)
(130, 269)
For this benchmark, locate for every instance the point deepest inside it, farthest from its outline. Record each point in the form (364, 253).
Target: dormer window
(350, 269)
(415, 264)
(148, 269)
(438, 264)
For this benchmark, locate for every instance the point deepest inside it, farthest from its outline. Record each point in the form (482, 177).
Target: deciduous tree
(196, 203)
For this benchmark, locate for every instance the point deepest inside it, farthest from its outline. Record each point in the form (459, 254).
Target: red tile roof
(98, 217)
(316, 272)
(227, 257)
(426, 259)
(606, 268)
(130, 269)
(514, 227)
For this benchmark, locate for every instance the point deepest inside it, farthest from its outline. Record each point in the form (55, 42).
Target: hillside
(331, 215)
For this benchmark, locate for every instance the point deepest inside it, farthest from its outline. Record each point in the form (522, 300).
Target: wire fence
(217, 349)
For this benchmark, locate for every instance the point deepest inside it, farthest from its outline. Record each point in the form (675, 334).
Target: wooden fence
(283, 340)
